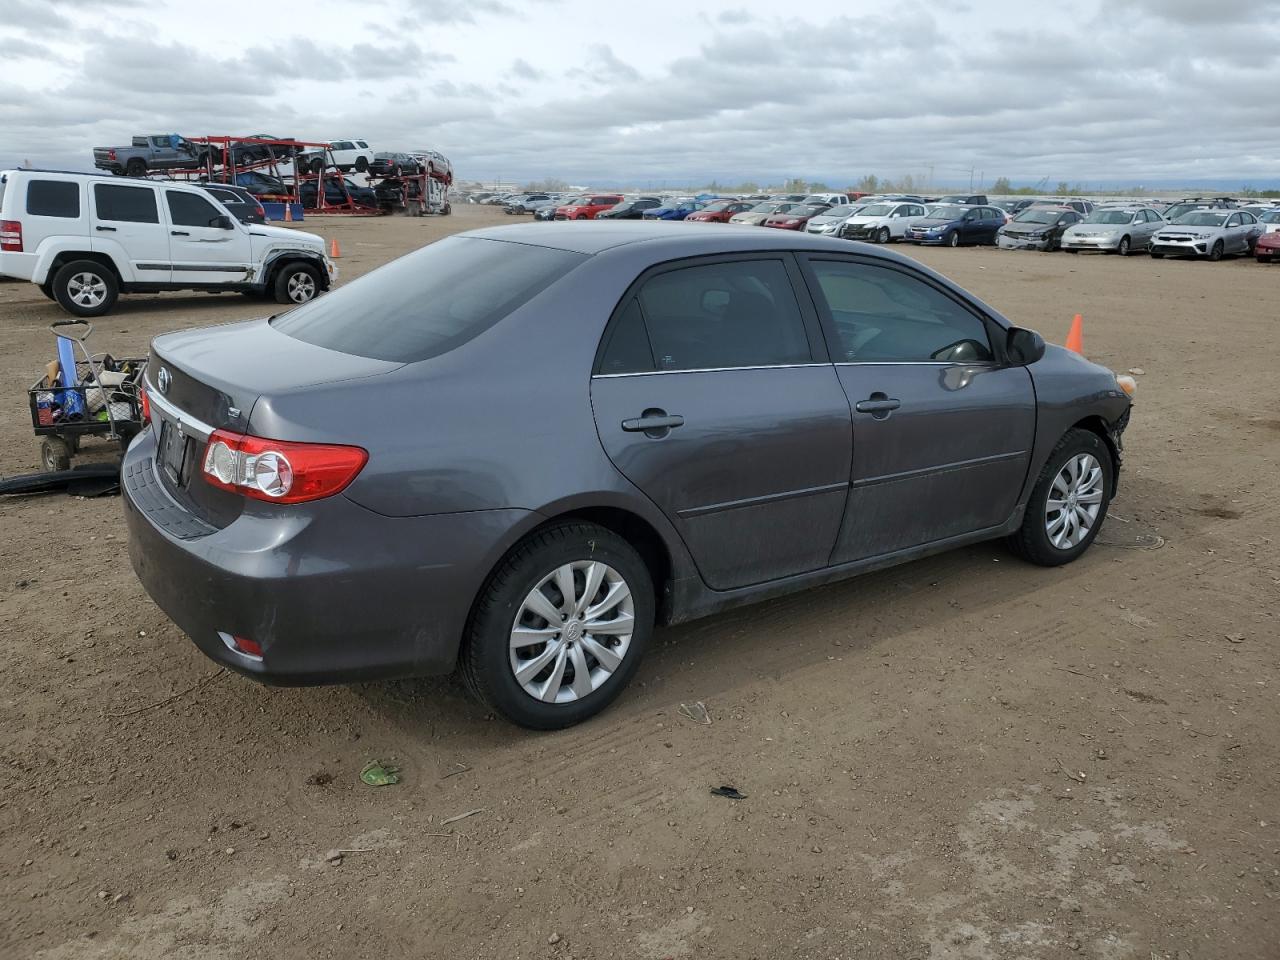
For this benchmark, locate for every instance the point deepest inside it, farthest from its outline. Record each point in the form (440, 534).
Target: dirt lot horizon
(963, 757)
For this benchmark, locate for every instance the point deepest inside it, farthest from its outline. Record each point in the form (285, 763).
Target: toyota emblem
(163, 379)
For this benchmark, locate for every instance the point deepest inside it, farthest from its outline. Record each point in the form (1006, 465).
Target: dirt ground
(963, 757)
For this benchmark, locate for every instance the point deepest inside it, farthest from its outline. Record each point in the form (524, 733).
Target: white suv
(347, 155)
(84, 239)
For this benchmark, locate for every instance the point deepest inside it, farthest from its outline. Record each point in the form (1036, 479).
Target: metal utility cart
(101, 397)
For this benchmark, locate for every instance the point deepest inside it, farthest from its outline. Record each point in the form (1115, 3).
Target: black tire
(1123, 247)
(136, 167)
(883, 236)
(446, 210)
(85, 288)
(953, 238)
(362, 164)
(55, 454)
(1156, 256)
(1262, 259)
(485, 661)
(289, 284)
(1031, 541)
(317, 165)
(47, 289)
(1215, 252)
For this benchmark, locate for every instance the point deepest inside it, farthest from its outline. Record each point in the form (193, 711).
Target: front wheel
(883, 235)
(953, 238)
(1122, 247)
(560, 627)
(55, 454)
(1215, 254)
(1069, 501)
(297, 283)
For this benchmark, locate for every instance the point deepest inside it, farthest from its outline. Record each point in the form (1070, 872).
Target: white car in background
(1207, 233)
(346, 155)
(1270, 221)
(882, 222)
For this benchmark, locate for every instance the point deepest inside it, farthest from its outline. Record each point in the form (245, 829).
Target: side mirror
(1024, 347)
(222, 222)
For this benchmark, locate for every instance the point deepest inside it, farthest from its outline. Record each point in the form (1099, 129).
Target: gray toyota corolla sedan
(517, 449)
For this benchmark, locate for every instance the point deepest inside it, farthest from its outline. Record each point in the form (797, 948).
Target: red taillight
(252, 647)
(111, 154)
(279, 471)
(262, 211)
(11, 235)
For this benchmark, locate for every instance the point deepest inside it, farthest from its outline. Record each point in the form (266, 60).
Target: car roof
(677, 240)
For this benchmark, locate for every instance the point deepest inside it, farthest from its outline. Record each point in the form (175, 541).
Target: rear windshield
(429, 302)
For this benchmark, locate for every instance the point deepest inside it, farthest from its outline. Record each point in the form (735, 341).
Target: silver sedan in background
(762, 212)
(1207, 233)
(828, 223)
(1114, 230)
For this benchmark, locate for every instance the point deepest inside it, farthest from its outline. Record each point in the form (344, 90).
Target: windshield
(1271, 216)
(809, 210)
(843, 210)
(1202, 218)
(877, 210)
(430, 301)
(1038, 215)
(773, 206)
(1178, 209)
(945, 211)
(954, 198)
(1109, 216)
(718, 206)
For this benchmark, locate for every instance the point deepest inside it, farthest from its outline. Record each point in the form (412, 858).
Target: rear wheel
(1122, 247)
(47, 289)
(55, 454)
(317, 165)
(297, 283)
(560, 627)
(85, 288)
(1068, 503)
(362, 164)
(136, 167)
(1215, 253)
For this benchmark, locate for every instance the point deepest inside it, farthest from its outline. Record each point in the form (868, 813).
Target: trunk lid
(211, 378)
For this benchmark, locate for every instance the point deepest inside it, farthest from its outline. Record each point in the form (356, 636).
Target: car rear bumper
(332, 591)
(20, 266)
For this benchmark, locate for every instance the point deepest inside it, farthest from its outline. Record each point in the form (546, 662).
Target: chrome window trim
(919, 363)
(650, 373)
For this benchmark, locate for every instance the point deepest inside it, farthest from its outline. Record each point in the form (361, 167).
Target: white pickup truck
(84, 239)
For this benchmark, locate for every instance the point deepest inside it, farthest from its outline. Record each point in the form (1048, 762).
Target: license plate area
(173, 452)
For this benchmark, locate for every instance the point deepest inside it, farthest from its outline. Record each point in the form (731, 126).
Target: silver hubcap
(302, 287)
(1075, 500)
(572, 631)
(87, 290)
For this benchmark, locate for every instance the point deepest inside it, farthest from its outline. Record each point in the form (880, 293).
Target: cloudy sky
(1139, 91)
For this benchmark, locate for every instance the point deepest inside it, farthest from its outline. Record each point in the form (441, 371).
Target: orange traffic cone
(334, 252)
(288, 212)
(1075, 339)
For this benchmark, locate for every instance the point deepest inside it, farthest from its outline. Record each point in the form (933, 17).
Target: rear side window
(627, 348)
(125, 204)
(429, 302)
(883, 315)
(737, 314)
(53, 198)
(224, 196)
(188, 210)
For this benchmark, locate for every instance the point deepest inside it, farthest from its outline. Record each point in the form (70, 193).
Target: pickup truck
(163, 152)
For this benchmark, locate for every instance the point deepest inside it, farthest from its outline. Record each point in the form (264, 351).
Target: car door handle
(106, 229)
(179, 233)
(879, 405)
(652, 422)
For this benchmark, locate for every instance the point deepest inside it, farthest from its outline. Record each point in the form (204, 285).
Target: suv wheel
(297, 283)
(136, 167)
(85, 288)
(362, 164)
(1068, 503)
(560, 627)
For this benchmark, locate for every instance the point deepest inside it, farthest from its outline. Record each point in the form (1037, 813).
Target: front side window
(53, 198)
(125, 204)
(188, 210)
(737, 314)
(883, 315)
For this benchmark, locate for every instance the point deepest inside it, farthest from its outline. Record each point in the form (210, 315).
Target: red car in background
(796, 218)
(587, 207)
(1268, 247)
(718, 211)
